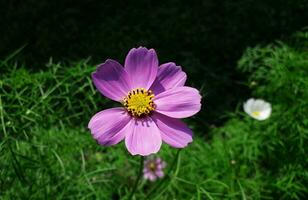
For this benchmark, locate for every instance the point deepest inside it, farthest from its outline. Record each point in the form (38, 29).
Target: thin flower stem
(2, 118)
(161, 183)
(138, 178)
(165, 186)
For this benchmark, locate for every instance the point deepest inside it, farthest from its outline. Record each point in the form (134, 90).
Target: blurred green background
(48, 50)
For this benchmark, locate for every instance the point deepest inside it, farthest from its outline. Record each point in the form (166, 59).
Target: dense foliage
(46, 150)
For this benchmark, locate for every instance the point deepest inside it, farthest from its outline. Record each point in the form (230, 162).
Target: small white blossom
(258, 108)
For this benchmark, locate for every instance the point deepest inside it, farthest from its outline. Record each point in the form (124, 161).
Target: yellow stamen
(256, 113)
(152, 166)
(139, 102)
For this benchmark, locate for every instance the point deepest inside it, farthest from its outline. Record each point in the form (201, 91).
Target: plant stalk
(138, 178)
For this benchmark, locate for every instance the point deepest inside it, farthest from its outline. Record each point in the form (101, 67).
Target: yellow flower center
(256, 113)
(152, 166)
(139, 102)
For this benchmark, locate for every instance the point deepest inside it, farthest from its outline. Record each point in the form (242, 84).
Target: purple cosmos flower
(153, 169)
(153, 99)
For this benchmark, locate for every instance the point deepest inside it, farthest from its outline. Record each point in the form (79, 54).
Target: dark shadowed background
(205, 37)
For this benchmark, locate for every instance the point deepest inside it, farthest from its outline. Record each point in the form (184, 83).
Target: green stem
(2, 118)
(138, 178)
(165, 186)
(162, 181)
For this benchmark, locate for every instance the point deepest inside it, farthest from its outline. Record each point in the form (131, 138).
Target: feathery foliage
(46, 152)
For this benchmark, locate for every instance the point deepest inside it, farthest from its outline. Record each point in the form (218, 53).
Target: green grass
(46, 152)
(67, 163)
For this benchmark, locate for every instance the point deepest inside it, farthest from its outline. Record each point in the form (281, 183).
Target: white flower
(258, 108)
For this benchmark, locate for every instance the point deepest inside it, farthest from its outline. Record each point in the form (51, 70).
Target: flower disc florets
(139, 102)
(153, 169)
(144, 121)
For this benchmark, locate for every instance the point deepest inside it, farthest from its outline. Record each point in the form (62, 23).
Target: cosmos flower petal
(108, 126)
(141, 65)
(160, 163)
(143, 137)
(131, 85)
(146, 174)
(179, 102)
(257, 108)
(168, 76)
(265, 114)
(151, 176)
(173, 131)
(248, 104)
(159, 173)
(112, 80)
(153, 168)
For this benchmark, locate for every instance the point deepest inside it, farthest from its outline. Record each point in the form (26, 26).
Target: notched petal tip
(141, 65)
(100, 67)
(143, 48)
(111, 80)
(143, 138)
(108, 127)
(169, 76)
(142, 154)
(180, 102)
(173, 131)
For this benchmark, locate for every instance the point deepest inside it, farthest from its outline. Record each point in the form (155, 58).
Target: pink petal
(168, 76)
(143, 137)
(108, 126)
(141, 65)
(146, 175)
(158, 161)
(159, 173)
(150, 176)
(173, 131)
(112, 80)
(179, 102)
(163, 164)
(160, 164)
